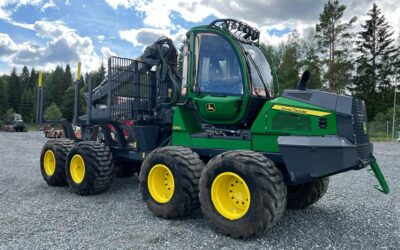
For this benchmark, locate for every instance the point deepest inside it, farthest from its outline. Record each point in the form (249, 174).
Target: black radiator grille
(133, 89)
(360, 129)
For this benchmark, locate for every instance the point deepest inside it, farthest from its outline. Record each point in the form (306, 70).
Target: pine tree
(333, 38)
(376, 63)
(310, 61)
(289, 67)
(26, 105)
(24, 78)
(14, 91)
(53, 86)
(67, 107)
(33, 79)
(3, 96)
(100, 75)
(67, 78)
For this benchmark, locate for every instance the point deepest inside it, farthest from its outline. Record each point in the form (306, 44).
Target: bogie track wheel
(89, 168)
(242, 193)
(169, 179)
(52, 161)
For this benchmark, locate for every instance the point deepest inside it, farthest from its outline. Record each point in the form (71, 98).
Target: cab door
(219, 87)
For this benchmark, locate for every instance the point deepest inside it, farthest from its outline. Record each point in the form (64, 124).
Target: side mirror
(303, 80)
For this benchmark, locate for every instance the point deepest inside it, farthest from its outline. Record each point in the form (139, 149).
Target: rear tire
(236, 211)
(53, 168)
(89, 168)
(185, 167)
(304, 195)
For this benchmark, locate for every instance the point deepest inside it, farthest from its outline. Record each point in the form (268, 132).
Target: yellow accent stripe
(300, 110)
(40, 80)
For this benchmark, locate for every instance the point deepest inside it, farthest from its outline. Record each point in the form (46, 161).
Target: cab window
(218, 67)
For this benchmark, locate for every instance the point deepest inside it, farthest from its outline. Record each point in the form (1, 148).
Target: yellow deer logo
(210, 107)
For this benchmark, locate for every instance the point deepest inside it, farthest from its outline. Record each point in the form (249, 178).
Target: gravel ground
(352, 215)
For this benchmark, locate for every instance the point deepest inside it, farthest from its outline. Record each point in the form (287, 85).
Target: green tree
(33, 79)
(67, 78)
(24, 78)
(67, 107)
(376, 64)
(14, 90)
(52, 112)
(53, 86)
(100, 75)
(289, 66)
(26, 105)
(334, 40)
(310, 61)
(3, 96)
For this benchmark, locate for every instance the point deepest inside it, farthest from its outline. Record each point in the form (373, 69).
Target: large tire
(53, 168)
(251, 211)
(89, 168)
(185, 167)
(304, 195)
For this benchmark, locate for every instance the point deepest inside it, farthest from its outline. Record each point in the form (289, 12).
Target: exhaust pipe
(303, 80)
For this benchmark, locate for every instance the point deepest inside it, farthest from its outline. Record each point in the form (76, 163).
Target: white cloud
(7, 45)
(101, 38)
(299, 15)
(48, 5)
(63, 46)
(147, 36)
(106, 51)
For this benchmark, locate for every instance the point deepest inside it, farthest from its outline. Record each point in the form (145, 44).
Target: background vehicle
(14, 123)
(261, 153)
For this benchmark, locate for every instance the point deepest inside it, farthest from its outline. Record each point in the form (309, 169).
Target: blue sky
(45, 33)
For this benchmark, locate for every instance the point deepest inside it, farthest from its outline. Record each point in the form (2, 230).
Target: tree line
(18, 91)
(365, 64)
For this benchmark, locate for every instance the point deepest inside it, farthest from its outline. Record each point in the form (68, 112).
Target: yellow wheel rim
(230, 195)
(77, 169)
(49, 162)
(160, 183)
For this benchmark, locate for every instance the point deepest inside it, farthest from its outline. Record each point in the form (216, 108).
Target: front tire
(304, 195)
(169, 179)
(90, 168)
(52, 161)
(242, 193)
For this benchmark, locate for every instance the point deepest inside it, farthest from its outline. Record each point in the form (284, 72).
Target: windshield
(218, 66)
(17, 117)
(260, 71)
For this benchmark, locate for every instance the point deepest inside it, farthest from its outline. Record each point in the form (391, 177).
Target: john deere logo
(210, 107)
(365, 127)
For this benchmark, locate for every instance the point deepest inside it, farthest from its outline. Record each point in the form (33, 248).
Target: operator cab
(231, 77)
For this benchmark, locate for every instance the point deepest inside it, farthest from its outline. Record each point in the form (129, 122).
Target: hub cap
(230, 195)
(49, 163)
(77, 169)
(160, 183)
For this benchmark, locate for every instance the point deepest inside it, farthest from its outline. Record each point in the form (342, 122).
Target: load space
(204, 128)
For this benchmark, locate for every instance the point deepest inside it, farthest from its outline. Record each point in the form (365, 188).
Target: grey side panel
(309, 157)
(339, 103)
(344, 125)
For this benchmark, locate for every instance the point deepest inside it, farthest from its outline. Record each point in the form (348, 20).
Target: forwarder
(208, 129)
(14, 123)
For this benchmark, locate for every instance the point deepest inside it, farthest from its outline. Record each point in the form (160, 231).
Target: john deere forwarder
(207, 129)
